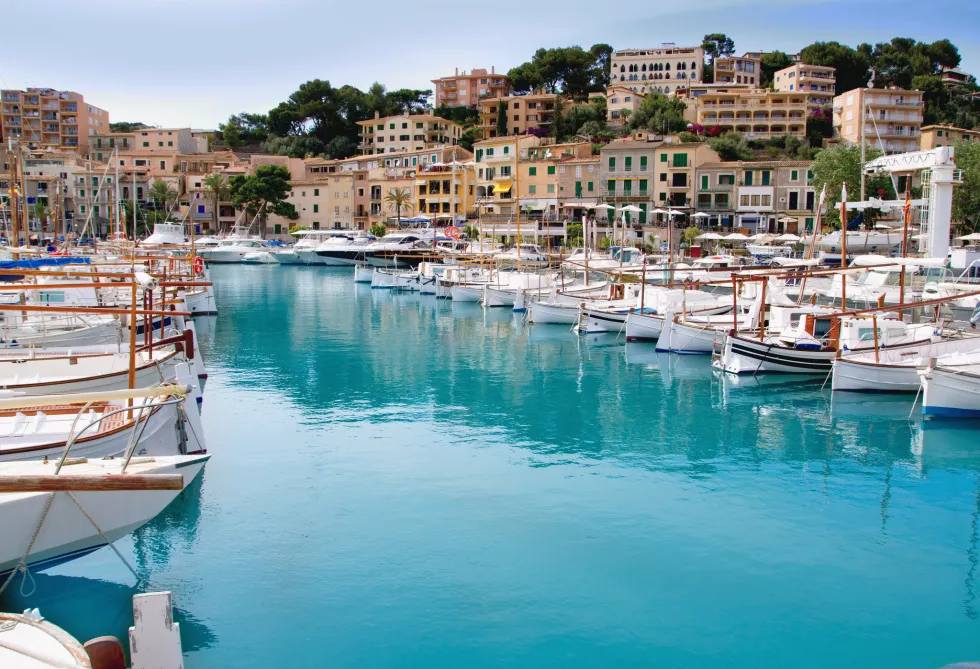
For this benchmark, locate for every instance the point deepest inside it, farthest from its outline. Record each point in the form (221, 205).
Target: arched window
(644, 68)
(643, 77)
(667, 66)
(667, 76)
(622, 68)
(694, 66)
(666, 90)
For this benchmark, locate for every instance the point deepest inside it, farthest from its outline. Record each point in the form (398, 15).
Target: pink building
(465, 90)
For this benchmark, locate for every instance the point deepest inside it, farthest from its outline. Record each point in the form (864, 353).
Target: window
(506, 150)
(704, 182)
(170, 143)
(316, 191)
(765, 177)
(163, 164)
(643, 163)
(663, 157)
(551, 169)
(643, 186)
(490, 151)
(627, 187)
(159, 143)
(663, 176)
(418, 124)
(589, 187)
(612, 163)
(680, 160)
(748, 178)
(629, 163)
(767, 200)
(391, 126)
(611, 186)
(200, 208)
(756, 200)
(743, 201)
(316, 209)
(663, 197)
(551, 188)
(532, 189)
(726, 179)
(146, 144)
(532, 171)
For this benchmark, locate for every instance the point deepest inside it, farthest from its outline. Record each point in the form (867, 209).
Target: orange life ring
(452, 231)
(198, 265)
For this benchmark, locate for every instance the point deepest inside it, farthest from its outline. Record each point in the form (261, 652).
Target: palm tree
(163, 194)
(399, 198)
(217, 187)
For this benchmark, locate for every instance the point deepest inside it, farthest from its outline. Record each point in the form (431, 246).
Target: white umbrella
(788, 237)
(736, 237)
(604, 206)
(787, 219)
(711, 236)
(658, 210)
(674, 212)
(631, 208)
(700, 214)
(972, 237)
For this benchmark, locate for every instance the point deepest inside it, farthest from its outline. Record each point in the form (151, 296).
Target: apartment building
(45, 176)
(43, 118)
(753, 112)
(659, 69)
(496, 169)
(934, 136)
(892, 118)
(774, 197)
(467, 89)
(744, 69)
(323, 203)
(446, 193)
(534, 111)
(620, 103)
(817, 81)
(407, 132)
(578, 185)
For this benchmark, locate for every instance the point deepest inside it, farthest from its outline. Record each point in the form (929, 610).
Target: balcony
(720, 188)
(11, 97)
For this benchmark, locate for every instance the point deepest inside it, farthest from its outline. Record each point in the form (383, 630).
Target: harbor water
(398, 481)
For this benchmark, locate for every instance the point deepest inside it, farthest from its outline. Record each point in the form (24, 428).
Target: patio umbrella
(604, 206)
(700, 214)
(631, 208)
(787, 219)
(711, 236)
(972, 237)
(736, 237)
(788, 237)
(658, 210)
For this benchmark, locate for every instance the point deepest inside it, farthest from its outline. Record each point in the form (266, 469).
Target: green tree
(717, 45)
(569, 70)
(659, 113)
(162, 193)
(297, 146)
(471, 232)
(841, 165)
(244, 128)
(731, 146)
(126, 126)
(966, 197)
(772, 62)
(691, 234)
(262, 193)
(398, 199)
(216, 186)
(378, 230)
(502, 119)
(341, 147)
(852, 65)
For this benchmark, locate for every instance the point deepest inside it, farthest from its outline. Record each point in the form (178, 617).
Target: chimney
(457, 71)
(377, 114)
(492, 67)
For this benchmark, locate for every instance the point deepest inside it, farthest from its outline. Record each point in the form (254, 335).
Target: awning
(502, 187)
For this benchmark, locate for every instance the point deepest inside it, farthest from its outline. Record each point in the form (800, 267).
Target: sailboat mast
(517, 189)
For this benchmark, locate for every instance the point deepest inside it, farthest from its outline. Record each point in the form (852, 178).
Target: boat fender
(807, 346)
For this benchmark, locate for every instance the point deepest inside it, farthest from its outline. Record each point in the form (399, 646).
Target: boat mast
(517, 189)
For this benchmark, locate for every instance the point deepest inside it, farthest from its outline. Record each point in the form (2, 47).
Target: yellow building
(745, 69)
(817, 81)
(753, 112)
(524, 112)
(46, 118)
(446, 193)
(934, 136)
(892, 118)
(496, 165)
(407, 132)
(620, 103)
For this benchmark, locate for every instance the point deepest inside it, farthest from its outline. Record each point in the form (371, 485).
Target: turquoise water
(401, 482)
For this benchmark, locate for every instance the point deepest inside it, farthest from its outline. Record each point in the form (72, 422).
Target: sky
(178, 63)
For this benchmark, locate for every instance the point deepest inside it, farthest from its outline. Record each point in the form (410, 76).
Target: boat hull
(498, 297)
(644, 327)
(688, 339)
(363, 273)
(749, 356)
(594, 320)
(950, 394)
(543, 313)
(461, 293)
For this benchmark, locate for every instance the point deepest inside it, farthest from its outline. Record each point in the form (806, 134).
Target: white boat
(104, 429)
(363, 273)
(343, 250)
(305, 250)
(810, 348)
(165, 234)
(260, 258)
(523, 253)
(551, 312)
(644, 327)
(384, 252)
(858, 241)
(230, 250)
(467, 292)
(68, 330)
(200, 301)
(65, 532)
(397, 279)
(895, 370)
(951, 392)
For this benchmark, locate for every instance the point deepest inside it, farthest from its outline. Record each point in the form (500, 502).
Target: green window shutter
(146, 143)
(765, 177)
(748, 177)
(809, 176)
(643, 162)
(612, 163)
(680, 160)
(532, 171)
(551, 169)
(479, 155)
(794, 175)
(629, 162)
(643, 186)
(628, 186)
(643, 213)
(611, 186)
(578, 189)
(506, 150)
(589, 187)
(551, 188)
(316, 191)
(278, 228)
(391, 126)
(663, 197)
(316, 209)
(418, 125)
(170, 143)
(532, 189)
(704, 182)
(663, 157)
